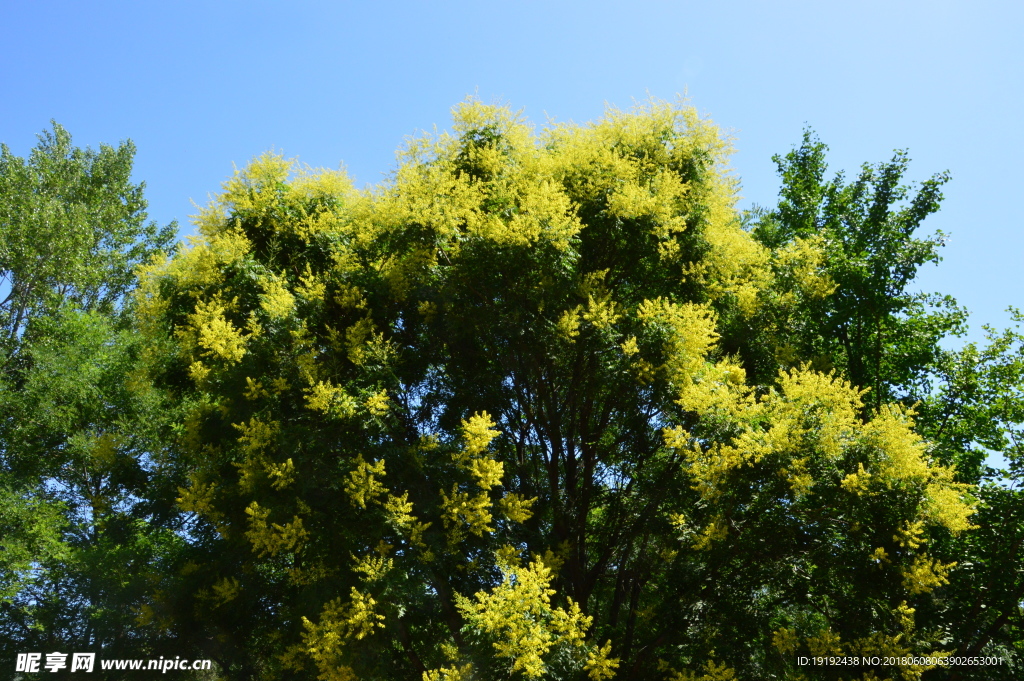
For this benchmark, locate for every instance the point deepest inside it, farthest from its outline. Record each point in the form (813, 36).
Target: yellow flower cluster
(271, 539)
(600, 665)
(713, 671)
(459, 510)
(340, 624)
(362, 485)
(215, 335)
(518, 617)
(514, 507)
(278, 302)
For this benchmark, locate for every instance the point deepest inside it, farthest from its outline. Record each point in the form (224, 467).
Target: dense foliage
(543, 405)
(78, 515)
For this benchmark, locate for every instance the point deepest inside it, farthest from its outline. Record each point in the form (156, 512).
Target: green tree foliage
(539, 407)
(72, 230)
(876, 331)
(968, 402)
(77, 499)
(979, 410)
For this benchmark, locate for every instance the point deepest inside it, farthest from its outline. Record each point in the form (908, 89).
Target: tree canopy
(545, 404)
(74, 432)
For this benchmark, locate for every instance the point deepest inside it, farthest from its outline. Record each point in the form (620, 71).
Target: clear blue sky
(201, 85)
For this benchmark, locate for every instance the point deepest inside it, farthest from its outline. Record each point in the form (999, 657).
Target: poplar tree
(78, 515)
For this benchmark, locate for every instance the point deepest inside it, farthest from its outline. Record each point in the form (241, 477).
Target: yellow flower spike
(198, 372)
(600, 665)
(372, 568)
(256, 435)
(339, 624)
(311, 287)
(217, 336)
(460, 510)
(910, 536)
(277, 301)
(905, 615)
(362, 485)
(282, 475)
(518, 617)
(515, 507)
(858, 482)
(602, 313)
(717, 530)
(327, 398)
(568, 324)
(785, 641)
(478, 432)
(508, 555)
(714, 672)
(629, 347)
(487, 472)
(451, 673)
(357, 337)
(825, 643)
(926, 574)
(377, 404)
(198, 497)
(271, 539)
(254, 390)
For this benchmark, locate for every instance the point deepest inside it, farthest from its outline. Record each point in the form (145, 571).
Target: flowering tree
(528, 410)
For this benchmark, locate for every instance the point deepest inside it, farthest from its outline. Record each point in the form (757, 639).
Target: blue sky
(201, 85)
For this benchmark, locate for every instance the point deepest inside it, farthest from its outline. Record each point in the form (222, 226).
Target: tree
(499, 418)
(880, 335)
(72, 230)
(75, 432)
(979, 410)
(875, 331)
